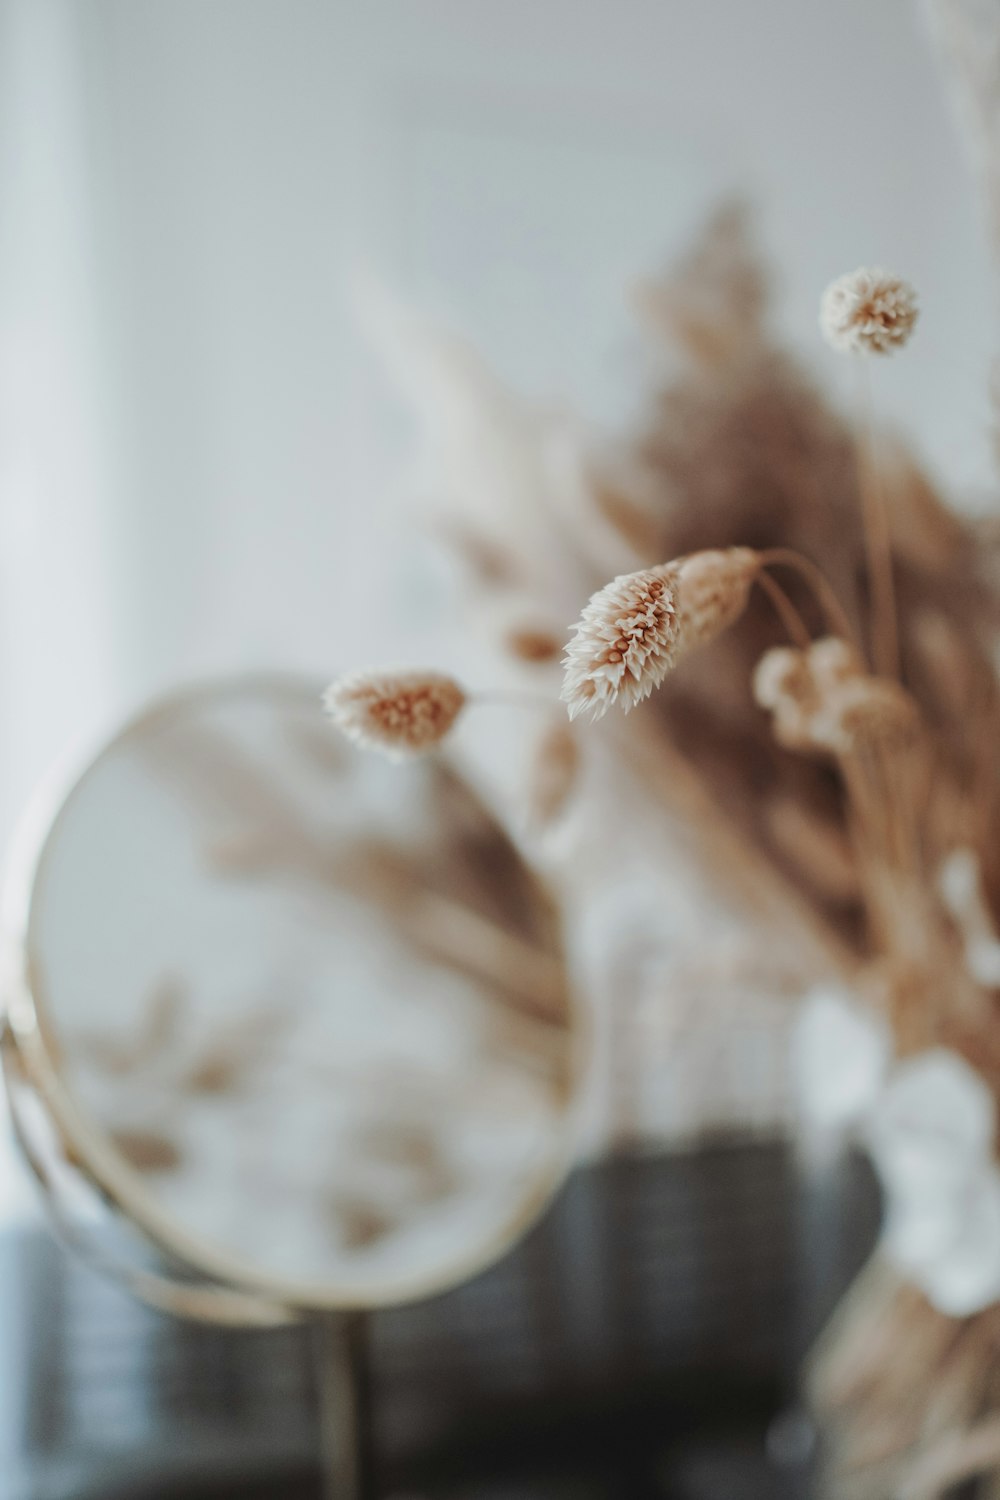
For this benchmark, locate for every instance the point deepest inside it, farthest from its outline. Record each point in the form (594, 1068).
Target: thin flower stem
(836, 615)
(785, 609)
(510, 698)
(878, 541)
(674, 779)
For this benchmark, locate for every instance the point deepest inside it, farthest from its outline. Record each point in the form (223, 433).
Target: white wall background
(198, 455)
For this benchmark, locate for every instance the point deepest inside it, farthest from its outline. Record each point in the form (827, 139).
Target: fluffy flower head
(868, 311)
(399, 713)
(625, 643)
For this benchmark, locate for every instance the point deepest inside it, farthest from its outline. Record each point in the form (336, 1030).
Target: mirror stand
(343, 1390)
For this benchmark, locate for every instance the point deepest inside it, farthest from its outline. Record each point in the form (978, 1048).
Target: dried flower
(633, 630)
(868, 311)
(783, 684)
(865, 708)
(822, 699)
(781, 672)
(833, 661)
(712, 592)
(625, 642)
(400, 713)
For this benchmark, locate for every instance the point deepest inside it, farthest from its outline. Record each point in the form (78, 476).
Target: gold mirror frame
(227, 1290)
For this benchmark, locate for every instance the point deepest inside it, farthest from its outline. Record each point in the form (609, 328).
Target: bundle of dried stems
(829, 726)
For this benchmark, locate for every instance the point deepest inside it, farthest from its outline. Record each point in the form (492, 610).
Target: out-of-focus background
(230, 231)
(201, 457)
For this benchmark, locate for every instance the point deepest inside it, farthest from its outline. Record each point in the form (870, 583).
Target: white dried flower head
(863, 709)
(868, 311)
(833, 661)
(781, 672)
(712, 592)
(625, 643)
(400, 713)
(822, 699)
(783, 684)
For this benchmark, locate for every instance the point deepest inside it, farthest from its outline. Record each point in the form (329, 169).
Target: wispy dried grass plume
(868, 311)
(399, 713)
(625, 643)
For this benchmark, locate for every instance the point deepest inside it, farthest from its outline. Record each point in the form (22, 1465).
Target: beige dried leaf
(554, 773)
(868, 311)
(399, 713)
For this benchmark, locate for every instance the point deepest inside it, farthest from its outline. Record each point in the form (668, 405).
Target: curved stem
(785, 609)
(836, 615)
(511, 698)
(343, 1389)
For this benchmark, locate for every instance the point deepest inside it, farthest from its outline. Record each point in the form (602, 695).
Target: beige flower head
(833, 661)
(784, 685)
(822, 699)
(399, 713)
(868, 311)
(862, 711)
(712, 592)
(624, 644)
(633, 631)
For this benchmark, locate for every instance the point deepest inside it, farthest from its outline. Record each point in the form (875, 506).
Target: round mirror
(299, 1012)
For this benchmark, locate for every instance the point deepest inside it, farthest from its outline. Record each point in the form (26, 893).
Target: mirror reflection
(314, 1003)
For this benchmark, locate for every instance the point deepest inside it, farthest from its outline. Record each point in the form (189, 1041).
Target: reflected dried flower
(712, 592)
(868, 311)
(553, 775)
(624, 644)
(399, 713)
(148, 1150)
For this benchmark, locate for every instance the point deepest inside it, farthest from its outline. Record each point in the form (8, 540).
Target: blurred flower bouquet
(822, 629)
(814, 777)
